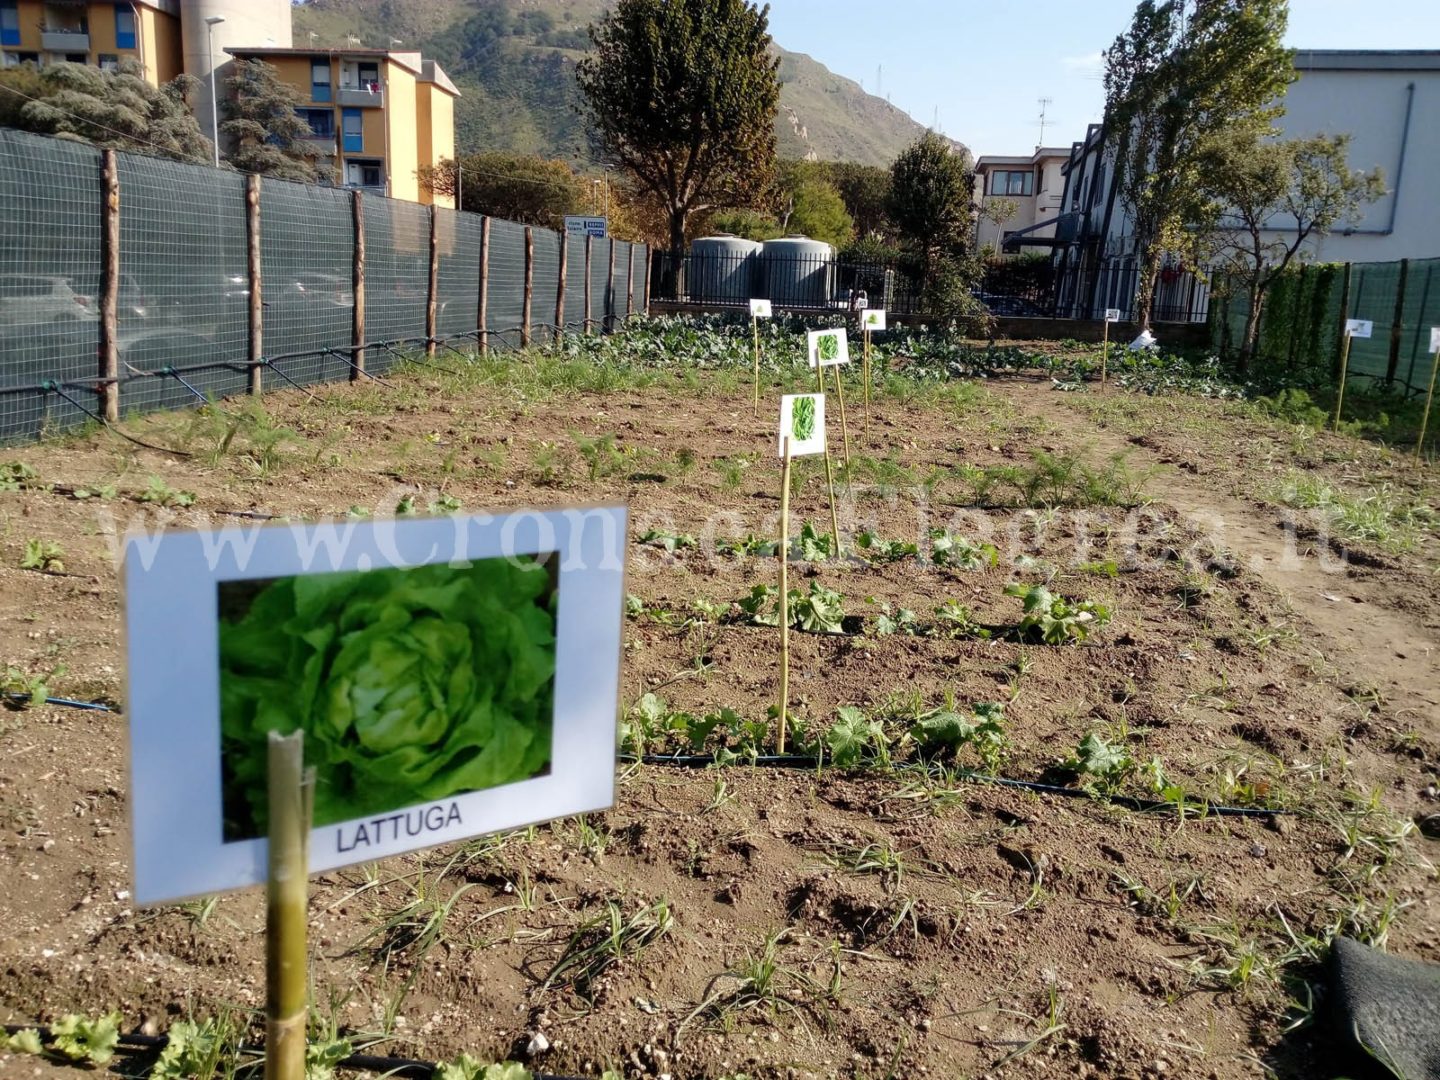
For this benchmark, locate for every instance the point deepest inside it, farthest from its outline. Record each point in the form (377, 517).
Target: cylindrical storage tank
(722, 270)
(209, 27)
(798, 272)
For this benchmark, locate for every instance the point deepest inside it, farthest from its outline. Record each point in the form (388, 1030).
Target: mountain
(514, 63)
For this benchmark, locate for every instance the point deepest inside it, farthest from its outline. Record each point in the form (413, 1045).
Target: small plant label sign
(1112, 314)
(453, 676)
(760, 309)
(1361, 328)
(1435, 339)
(828, 347)
(802, 421)
(873, 319)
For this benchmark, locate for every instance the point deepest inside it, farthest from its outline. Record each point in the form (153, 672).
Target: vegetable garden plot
(874, 913)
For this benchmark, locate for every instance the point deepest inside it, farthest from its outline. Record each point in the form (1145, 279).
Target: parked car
(27, 299)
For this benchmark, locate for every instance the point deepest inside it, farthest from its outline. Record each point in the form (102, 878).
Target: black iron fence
(794, 283)
(1082, 292)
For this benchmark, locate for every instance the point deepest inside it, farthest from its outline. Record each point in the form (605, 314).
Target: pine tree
(267, 135)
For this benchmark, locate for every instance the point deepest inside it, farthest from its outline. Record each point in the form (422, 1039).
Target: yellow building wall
(293, 71)
(403, 159)
(435, 119)
(162, 53)
(102, 32)
(32, 16)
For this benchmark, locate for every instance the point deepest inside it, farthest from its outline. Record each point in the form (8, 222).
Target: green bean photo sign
(451, 676)
(802, 421)
(828, 348)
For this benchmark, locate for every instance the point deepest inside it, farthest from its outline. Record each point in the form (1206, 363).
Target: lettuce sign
(452, 677)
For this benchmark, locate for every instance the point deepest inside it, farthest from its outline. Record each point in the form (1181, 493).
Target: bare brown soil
(1000, 925)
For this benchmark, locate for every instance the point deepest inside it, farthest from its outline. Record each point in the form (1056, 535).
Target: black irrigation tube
(1129, 802)
(69, 703)
(391, 1066)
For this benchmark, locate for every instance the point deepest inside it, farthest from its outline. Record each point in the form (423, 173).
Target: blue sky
(984, 63)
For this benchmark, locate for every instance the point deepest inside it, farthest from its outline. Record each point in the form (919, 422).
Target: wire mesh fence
(1301, 325)
(182, 280)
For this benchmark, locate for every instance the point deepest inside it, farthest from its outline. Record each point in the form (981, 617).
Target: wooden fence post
(484, 307)
(560, 286)
(1397, 324)
(432, 288)
(357, 342)
(630, 282)
(608, 325)
(1344, 315)
(257, 285)
(589, 259)
(529, 286)
(109, 385)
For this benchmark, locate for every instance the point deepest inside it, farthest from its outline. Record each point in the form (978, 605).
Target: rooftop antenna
(1045, 104)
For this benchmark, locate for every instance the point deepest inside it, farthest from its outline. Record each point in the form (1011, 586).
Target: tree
(931, 187)
(116, 109)
(1258, 187)
(518, 187)
(267, 135)
(815, 209)
(683, 95)
(866, 192)
(998, 212)
(1185, 71)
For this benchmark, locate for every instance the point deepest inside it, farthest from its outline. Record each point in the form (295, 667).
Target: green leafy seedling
(45, 556)
(1053, 619)
(79, 1039)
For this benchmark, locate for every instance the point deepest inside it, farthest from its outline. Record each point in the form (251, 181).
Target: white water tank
(798, 272)
(722, 270)
(244, 24)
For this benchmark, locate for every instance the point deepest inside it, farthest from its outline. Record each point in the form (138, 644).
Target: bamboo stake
(1429, 399)
(1344, 373)
(829, 474)
(109, 384)
(254, 272)
(291, 790)
(865, 373)
(844, 431)
(784, 595)
(755, 326)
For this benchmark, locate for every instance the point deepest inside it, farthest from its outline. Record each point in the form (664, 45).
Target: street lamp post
(210, 24)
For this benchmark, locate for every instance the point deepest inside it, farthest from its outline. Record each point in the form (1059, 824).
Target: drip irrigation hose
(69, 703)
(54, 388)
(390, 1066)
(1130, 802)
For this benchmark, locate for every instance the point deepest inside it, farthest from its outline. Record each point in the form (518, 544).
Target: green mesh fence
(1301, 326)
(182, 329)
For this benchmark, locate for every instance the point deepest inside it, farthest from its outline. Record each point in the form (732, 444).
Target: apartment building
(1033, 184)
(101, 34)
(377, 116)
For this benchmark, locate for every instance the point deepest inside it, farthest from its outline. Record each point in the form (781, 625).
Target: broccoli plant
(1054, 620)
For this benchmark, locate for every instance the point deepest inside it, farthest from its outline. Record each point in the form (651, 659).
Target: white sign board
(802, 421)
(453, 676)
(760, 309)
(1112, 314)
(1435, 339)
(1361, 328)
(828, 347)
(873, 319)
(577, 225)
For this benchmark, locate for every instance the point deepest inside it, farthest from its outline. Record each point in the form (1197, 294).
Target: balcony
(65, 41)
(368, 189)
(359, 97)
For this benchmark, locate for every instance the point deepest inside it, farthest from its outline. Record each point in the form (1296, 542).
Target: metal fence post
(630, 282)
(357, 342)
(109, 385)
(432, 285)
(649, 273)
(483, 308)
(529, 285)
(257, 289)
(589, 259)
(560, 286)
(609, 323)
(1397, 324)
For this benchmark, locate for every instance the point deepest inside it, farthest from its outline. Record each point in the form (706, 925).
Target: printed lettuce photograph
(828, 346)
(411, 685)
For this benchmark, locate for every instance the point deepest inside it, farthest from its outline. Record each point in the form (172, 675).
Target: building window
(352, 128)
(9, 22)
(321, 121)
(109, 62)
(77, 58)
(12, 59)
(320, 80)
(1020, 182)
(370, 77)
(364, 174)
(124, 26)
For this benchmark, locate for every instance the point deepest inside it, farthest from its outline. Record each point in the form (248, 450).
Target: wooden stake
(357, 273)
(257, 284)
(432, 285)
(1429, 400)
(109, 385)
(1344, 373)
(829, 474)
(755, 326)
(483, 307)
(529, 286)
(291, 789)
(844, 431)
(784, 596)
(865, 374)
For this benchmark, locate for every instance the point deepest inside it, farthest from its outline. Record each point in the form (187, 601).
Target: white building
(1387, 101)
(1034, 183)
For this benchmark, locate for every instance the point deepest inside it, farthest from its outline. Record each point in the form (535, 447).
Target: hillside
(514, 62)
